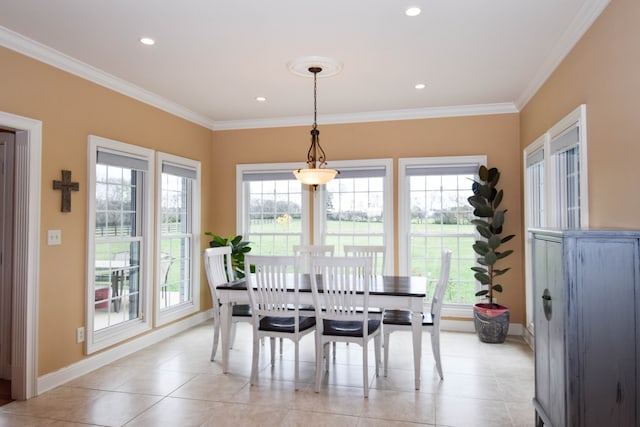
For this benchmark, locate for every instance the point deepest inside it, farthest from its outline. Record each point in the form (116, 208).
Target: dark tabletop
(380, 285)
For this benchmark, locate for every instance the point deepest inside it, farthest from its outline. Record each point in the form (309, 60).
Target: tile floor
(173, 383)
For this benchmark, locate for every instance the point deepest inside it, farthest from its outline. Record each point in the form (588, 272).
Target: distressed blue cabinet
(586, 324)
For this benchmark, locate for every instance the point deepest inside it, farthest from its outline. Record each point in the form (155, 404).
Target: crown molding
(373, 116)
(50, 56)
(574, 32)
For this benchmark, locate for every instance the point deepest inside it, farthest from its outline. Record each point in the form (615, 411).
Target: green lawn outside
(425, 251)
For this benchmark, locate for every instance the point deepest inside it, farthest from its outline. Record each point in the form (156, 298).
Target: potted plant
(491, 319)
(238, 249)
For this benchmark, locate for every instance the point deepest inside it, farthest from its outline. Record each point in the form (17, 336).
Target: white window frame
(115, 334)
(453, 310)
(320, 206)
(191, 306)
(242, 198)
(577, 117)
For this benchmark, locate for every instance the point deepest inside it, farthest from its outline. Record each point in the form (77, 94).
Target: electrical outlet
(54, 237)
(80, 334)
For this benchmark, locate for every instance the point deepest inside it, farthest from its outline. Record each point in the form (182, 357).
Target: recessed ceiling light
(420, 86)
(260, 98)
(148, 41)
(412, 11)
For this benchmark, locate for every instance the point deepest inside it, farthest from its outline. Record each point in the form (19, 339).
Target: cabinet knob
(546, 304)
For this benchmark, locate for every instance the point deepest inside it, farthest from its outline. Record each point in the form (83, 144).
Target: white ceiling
(212, 58)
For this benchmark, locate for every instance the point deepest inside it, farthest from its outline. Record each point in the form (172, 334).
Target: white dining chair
(344, 315)
(375, 252)
(275, 306)
(217, 266)
(400, 320)
(306, 252)
(377, 255)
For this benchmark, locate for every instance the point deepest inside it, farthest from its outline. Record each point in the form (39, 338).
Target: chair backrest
(166, 261)
(217, 264)
(306, 252)
(375, 252)
(270, 286)
(441, 286)
(342, 279)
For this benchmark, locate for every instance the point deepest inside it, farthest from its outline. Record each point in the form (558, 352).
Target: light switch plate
(54, 237)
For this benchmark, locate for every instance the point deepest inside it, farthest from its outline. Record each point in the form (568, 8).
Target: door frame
(26, 253)
(7, 142)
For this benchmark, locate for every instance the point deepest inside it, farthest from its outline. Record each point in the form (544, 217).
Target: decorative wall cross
(66, 186)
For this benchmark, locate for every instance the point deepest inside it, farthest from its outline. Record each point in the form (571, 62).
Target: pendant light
(315, 174)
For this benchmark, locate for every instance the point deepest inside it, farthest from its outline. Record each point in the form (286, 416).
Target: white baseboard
(467, 326)
(528, 337)
(54, 379)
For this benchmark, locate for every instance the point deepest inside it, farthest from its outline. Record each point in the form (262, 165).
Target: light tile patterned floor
(173, 383)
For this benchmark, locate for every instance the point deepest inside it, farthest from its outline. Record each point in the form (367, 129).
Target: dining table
(385, 292)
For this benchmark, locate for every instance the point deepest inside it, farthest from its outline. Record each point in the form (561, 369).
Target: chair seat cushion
(347, 328)
(403, 317)
(286, 324)
(241, 310)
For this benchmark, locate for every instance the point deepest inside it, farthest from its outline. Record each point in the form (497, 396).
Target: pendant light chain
(315, 99)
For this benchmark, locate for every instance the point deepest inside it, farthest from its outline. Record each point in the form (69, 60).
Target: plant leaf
(484, 232)
(504, 254)
(482, 293)
(493, 176)
(498, 219)
(482, 278)
(485, 191)
(498, 199)
(479, 223)
(507, 238)
(479, 269)
(481, 248)
(483, 173)
(497, 272)
(490, 258)
(483, 211)
(497, 288)
(494, 241)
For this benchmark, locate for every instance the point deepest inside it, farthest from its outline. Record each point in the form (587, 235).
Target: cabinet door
(549, 324)
(557, 350)
(606, 288)
(541, 324)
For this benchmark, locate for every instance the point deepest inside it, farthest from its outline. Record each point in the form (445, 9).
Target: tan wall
(70, 109)
(495, 136)
(603, 72)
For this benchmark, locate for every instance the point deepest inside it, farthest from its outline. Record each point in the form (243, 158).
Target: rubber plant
(489, 221)
(238, 249)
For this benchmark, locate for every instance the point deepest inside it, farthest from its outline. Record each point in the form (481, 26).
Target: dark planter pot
(491, 322)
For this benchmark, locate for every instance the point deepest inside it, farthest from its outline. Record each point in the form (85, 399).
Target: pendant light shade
(315, 174)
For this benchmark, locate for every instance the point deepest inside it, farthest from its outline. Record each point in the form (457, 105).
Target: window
(356, 208)
(435, 215)
(555, 184)
(534, 170)
(177, 284)
(272, 208)
(119, 230)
